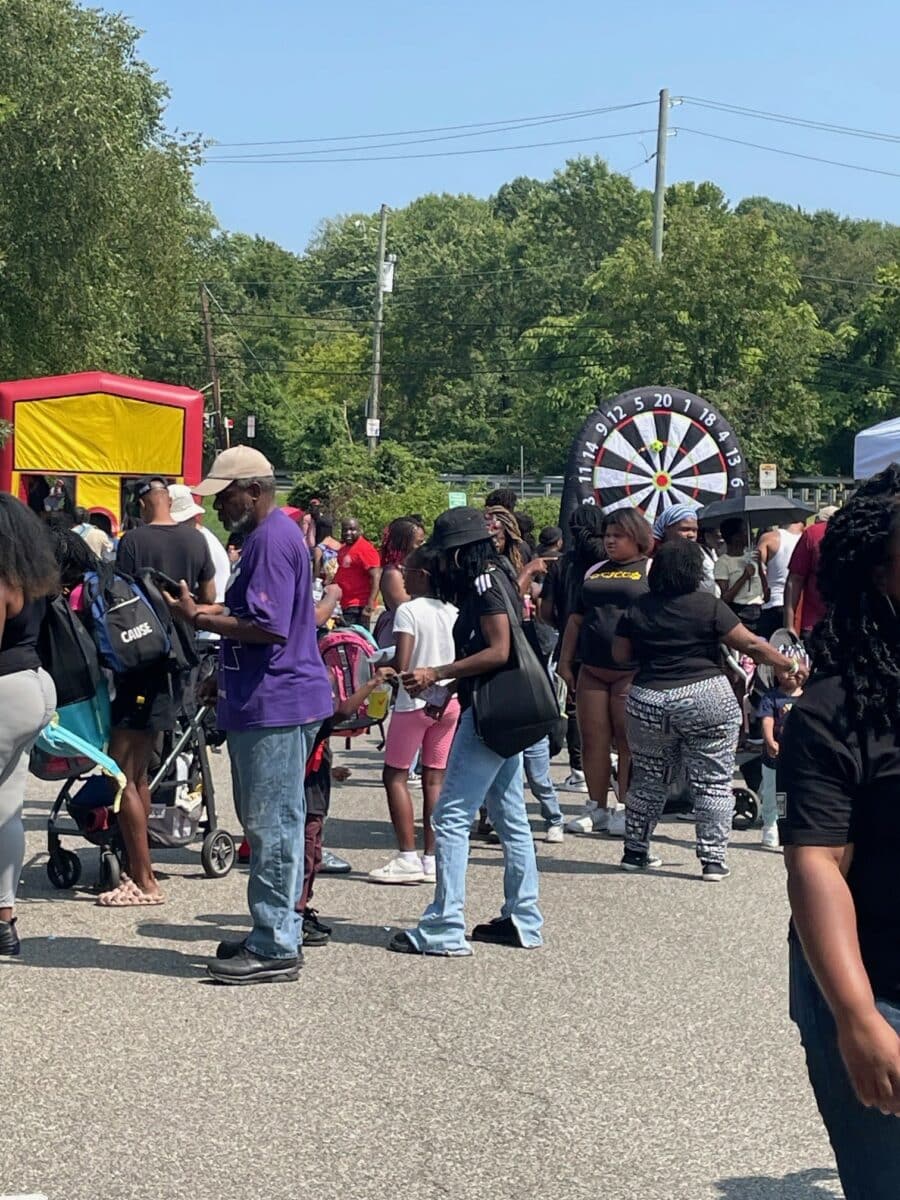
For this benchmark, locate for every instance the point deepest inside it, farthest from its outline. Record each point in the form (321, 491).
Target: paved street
(644, 1052)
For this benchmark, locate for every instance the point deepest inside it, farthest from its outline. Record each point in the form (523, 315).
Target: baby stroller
(183, 805)
(756, 682)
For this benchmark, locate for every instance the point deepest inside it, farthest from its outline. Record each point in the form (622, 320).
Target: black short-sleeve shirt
(607, 591)
(179, 551)
(485, 600)
(842, 787)
(676, 639)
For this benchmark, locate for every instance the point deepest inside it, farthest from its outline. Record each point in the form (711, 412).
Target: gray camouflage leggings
(693, 728)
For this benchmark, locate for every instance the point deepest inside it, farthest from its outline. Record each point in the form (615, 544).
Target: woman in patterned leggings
(682, 713)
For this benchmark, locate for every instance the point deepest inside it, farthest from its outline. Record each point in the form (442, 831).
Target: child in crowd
(424, 726)
(773, 709)
(319, 774)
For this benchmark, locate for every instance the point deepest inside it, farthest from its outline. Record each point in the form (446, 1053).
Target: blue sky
(280, 69)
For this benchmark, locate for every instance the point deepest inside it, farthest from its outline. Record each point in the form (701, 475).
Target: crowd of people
(638, 626)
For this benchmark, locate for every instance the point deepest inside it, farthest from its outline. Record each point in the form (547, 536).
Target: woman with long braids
(27, 697)
(400, 539)
(467, 572)
(839, 767)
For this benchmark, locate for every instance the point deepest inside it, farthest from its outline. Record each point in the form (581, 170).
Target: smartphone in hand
(436, 700)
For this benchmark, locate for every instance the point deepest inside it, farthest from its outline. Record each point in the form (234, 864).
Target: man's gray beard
(244, 525)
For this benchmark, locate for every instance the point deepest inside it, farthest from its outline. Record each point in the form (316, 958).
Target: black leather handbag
(516, 706)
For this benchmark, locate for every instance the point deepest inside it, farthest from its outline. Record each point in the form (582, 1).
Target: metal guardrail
(815, 490)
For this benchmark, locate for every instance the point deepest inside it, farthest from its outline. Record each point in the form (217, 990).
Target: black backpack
(68, 654)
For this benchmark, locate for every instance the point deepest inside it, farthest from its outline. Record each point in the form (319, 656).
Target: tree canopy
(512, 316)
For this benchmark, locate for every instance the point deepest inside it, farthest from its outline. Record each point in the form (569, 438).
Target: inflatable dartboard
(653, 447)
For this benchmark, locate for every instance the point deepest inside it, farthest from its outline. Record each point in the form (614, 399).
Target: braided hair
(859, 639)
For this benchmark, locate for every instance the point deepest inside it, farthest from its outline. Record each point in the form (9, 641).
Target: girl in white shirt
(423, 634)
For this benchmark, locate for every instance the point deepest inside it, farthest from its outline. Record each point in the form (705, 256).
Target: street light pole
(372, 410)
(659, 192)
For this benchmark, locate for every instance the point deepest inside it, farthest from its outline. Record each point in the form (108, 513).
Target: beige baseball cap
(240, 462)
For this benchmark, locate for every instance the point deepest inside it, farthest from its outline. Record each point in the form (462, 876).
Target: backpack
(68, 654)
(346, 654)
(128, 630)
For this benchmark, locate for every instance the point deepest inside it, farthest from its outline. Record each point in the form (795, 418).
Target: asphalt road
(645, 1051)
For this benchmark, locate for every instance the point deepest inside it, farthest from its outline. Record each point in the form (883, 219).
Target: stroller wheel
(110, 871)
(64, 869)
(217, 853)
(746, 808)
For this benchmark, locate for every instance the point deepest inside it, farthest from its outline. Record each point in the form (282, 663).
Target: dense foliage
(511, 316)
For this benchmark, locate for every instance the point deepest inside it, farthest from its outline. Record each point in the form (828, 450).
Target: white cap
(184, 506)
(239, 462)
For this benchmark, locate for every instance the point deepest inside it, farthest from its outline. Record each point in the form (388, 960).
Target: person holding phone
(740, 575)
(421, 725)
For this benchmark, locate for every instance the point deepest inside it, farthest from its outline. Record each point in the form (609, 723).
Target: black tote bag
(516, 706)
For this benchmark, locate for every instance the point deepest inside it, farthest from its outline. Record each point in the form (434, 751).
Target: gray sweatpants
(692, 729)
(27, 702)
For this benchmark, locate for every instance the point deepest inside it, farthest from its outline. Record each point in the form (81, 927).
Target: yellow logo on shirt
(635, 575)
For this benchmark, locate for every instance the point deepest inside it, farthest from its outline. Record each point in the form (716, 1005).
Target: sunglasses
(414, 570)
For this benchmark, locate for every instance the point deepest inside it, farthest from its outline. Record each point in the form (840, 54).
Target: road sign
(456, 500)
(768, 477)
(373, 427)
(251, 427)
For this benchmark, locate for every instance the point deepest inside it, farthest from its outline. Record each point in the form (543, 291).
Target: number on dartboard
(651, 449)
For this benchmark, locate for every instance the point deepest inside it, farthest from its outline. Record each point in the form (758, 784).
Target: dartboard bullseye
(651, 448)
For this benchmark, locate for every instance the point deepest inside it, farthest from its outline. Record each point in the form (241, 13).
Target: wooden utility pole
(659, 192)
(372, 409)
(220, 438)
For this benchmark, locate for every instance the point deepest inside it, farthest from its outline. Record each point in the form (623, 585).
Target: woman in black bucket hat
(467, 573)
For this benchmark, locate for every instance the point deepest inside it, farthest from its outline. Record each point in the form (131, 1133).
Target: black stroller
(183, 803)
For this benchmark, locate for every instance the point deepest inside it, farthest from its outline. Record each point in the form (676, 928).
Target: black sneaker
(633, 861)
(501, 931)
(226, 950)
(9, 939)
(247, 967)
(715, 872)
(401, 943)
(312, 916)
(314, 934)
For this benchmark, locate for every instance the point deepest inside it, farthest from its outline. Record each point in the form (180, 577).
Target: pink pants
(411, 732)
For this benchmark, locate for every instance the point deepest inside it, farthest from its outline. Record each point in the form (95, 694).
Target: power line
(431, 153)
(719, 137)
(784, 119)
(487, 126)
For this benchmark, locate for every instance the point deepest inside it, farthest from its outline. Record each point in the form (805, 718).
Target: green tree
(98, 220)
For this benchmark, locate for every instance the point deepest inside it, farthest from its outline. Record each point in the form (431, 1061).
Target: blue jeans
(267, 771)
(475, 776)
(866, 1143)
(537, 772)
(768, 796)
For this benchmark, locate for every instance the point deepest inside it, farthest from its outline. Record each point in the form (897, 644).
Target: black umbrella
(759, 510)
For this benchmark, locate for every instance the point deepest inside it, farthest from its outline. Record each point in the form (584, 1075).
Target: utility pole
(213, 369)
(377, 334)
(659, 194)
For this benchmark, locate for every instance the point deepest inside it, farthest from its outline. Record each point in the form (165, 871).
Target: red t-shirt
(805, 563)
(353, 578)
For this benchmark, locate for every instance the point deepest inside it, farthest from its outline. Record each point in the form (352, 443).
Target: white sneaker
(574, 782)
(413, 780)
(615, 826)
(555, 834)
(770, 837)
(589, 820)
(399, 870)
(429, 873)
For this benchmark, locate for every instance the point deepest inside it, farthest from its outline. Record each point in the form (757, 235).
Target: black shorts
(144, 700)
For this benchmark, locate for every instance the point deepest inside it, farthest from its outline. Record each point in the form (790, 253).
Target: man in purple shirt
(273, 695)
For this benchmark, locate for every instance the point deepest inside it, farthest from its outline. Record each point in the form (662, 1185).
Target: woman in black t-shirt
(468, 573)
(608, 588)
(839, 768)
(27, 695)
(682, 713)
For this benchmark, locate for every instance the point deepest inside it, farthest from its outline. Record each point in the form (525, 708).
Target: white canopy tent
(876, 448)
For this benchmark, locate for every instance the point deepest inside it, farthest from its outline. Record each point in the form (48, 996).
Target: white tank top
(777, 567)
